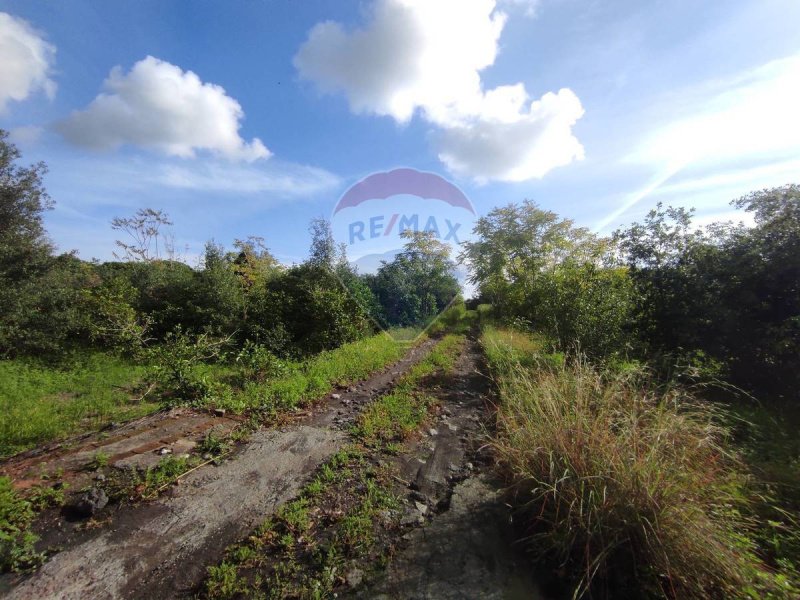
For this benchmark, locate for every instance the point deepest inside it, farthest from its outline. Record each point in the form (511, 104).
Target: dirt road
(160, 549)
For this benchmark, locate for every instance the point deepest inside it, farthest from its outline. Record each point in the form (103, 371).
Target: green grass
(16, 540)
(40, 404)
(313, 378)
(394, 416)
(628, 486)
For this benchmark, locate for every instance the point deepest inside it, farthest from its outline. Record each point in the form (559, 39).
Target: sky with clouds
(250, 117)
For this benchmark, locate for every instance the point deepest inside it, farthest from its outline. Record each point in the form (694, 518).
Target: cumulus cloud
(157, 105)
(26, 61)
(425, 57)
(529, 145)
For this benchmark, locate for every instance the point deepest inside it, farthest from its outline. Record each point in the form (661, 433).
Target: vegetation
(83, 344)
(40, 403)
(394, 416)
(305, 549)
(622, 481)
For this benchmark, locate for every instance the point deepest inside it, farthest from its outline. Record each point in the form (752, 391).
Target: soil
(463, 546)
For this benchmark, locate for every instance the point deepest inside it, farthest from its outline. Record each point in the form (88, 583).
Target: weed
(224, 582)
(47, 497)
(212, 444)
(99, 461)
(17, 552)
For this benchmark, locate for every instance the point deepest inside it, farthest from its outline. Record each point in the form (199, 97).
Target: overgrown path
(464, 547)
(160, 549)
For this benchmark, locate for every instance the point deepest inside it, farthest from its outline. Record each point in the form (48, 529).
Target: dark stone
(91, 502)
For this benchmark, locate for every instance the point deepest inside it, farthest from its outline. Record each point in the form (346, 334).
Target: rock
(208, 456)
(354, 577)
(432, 431)
(470, 466)
(345, 401)
(454, 468)
(219, 412)
(89, 503)
(336, 396)
(412, 517)
(452, 427)
(422, 508)
(419, 496)
(99, 477)
(164, 451)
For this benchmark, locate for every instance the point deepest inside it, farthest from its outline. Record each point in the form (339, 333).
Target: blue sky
(249, 117)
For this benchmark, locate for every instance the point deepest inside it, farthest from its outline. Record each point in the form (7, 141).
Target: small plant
(47, 497)
(17, 552)
(176, 367)
(166, 471)
(99, 461)
(212, 444)
(224, 582)
(258, 363)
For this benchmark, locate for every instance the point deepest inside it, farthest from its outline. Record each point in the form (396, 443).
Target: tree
(24, 247)
(323, 247)
(148, 240)
(419, 283)
(561, 279)
(39, 293)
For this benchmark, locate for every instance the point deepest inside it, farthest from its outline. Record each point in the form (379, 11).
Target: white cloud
(529, 145)
(426, 57)
(413, 54)
(26, 61)
(285, 179)
(752, 115)
(750, 118)
(157, 105)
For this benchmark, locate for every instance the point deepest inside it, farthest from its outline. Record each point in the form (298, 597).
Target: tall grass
(630, 487)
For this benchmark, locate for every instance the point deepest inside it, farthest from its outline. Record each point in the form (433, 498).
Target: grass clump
(630, 486)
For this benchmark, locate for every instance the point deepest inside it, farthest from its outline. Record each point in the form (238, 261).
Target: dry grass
(628, 486)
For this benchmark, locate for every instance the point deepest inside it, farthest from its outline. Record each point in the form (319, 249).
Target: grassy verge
(41, 403)
(392, 417)
(626, 486)
(301, 382)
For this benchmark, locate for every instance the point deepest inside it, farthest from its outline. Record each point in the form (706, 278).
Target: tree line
(717, 302)
(53, 305)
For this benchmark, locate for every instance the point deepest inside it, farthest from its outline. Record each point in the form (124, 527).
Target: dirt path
(161, 549)
(464, 547)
